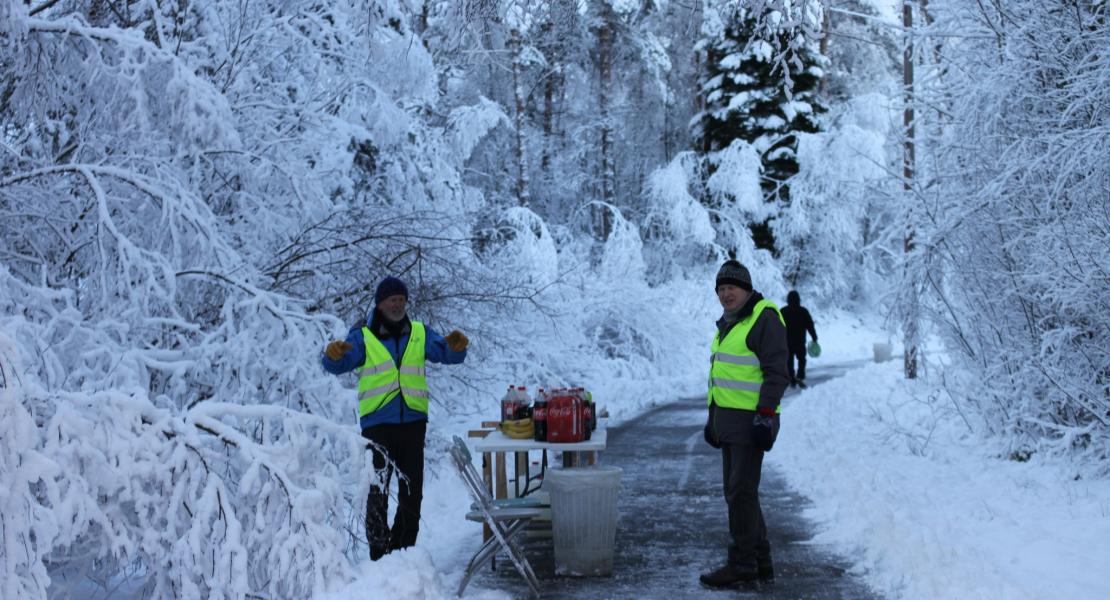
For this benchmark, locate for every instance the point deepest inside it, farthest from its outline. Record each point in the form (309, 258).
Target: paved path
(672, 523)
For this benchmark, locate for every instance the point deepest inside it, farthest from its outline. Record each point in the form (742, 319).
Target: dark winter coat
(798, 322)
(395, 340)
(767, 339)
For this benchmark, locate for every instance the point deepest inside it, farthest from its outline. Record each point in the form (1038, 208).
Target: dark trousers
(749, 549)
(795, 353)
(400, 448)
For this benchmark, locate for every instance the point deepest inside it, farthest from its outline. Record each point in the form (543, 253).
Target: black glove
(709, 439)
(763, 428)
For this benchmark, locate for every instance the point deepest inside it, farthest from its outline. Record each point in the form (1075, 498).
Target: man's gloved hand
(709, 439)
(763, 428)
(337, 349)
(456, 341)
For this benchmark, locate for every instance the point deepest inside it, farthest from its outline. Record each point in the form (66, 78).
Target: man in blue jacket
(389, 353)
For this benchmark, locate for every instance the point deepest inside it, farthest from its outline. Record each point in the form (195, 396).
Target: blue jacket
(394, 411)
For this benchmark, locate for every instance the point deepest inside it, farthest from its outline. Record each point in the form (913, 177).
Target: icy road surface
(672, 523)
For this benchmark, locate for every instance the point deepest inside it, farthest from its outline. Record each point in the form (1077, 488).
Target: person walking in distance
(747, 378)
(798, 321)
(389, 350)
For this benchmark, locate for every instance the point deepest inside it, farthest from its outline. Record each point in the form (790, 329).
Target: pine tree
(746, 98)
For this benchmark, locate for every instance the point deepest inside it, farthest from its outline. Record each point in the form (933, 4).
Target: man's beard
(394, 317)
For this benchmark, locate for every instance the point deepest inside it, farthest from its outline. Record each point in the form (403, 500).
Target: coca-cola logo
(539, 413)
(562, 412)
(510, 409)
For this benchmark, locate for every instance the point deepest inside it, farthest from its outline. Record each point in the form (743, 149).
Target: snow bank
(926, 508)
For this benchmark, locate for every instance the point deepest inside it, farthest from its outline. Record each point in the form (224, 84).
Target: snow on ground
(926, 508)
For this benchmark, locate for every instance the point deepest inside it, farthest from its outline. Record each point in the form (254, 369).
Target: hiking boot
(728, 577)
(802, 384)
(766, 572)
(378, 550)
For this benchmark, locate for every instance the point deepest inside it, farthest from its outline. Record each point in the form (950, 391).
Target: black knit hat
(390, 286)
(734, 273)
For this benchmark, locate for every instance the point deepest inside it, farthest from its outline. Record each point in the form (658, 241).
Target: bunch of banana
(518, 429)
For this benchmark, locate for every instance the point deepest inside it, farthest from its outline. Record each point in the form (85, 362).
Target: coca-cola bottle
(586, 412)
(508, 404)
(589, 399)
(523, 409)
(539, 417)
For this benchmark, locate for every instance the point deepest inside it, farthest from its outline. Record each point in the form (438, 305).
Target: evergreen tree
(746, 98)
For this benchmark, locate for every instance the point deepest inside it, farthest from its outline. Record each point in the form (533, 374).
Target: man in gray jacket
(747, 379)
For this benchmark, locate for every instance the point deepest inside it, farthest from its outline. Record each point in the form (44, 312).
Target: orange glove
(337, 349)
(456, 341)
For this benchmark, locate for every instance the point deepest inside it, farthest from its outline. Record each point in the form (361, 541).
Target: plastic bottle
(539, 417)
(587, 412)
(507, 404)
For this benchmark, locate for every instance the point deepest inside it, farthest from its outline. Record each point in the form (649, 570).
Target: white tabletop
(499, 442)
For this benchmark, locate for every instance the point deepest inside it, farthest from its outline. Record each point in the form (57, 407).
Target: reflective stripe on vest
(380, 380)
(734, 373)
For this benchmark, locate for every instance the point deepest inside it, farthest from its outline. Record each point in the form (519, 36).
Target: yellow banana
(518, 429)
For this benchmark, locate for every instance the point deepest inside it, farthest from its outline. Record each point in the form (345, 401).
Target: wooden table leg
(520, 467)
(501, 489)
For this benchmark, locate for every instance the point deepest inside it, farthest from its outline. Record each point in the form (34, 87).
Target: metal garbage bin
(584, 518)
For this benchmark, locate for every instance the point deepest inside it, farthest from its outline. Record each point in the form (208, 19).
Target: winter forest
(195, 196)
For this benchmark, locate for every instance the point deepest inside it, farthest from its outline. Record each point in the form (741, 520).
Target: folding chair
(505, 522)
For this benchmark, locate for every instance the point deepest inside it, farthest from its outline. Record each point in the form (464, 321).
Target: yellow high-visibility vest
(380, 380)
(734, 373)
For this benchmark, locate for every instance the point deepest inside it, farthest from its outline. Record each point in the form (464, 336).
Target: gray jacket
(767, 339)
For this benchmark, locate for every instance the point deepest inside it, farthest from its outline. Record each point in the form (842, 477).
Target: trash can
(584, 518)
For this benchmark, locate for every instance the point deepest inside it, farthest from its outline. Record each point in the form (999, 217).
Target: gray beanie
(734, 273)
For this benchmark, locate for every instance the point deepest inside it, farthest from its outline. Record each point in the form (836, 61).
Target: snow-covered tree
(182, 215)
(1009, 213)
(749, 97)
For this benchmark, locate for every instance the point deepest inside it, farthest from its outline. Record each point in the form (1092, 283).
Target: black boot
(766, 571)
(729, 577)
